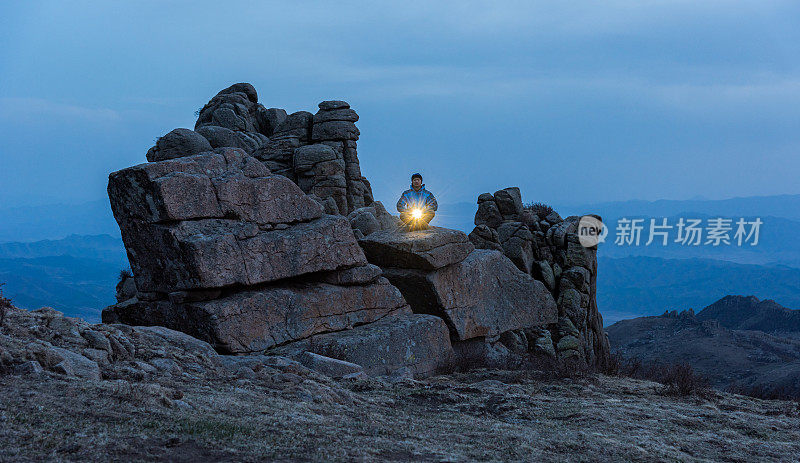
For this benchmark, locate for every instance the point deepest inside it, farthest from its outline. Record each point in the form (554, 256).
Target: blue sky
(575, 102)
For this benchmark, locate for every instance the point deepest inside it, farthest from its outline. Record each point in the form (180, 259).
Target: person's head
(416, 181)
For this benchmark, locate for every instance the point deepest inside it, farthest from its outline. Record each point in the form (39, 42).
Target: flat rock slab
(249, 321)
(224, 184)
(483, 295)
(419, 344)
(424, 249)
(214, 253)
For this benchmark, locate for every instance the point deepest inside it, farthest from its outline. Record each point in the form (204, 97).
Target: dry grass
(486, 415)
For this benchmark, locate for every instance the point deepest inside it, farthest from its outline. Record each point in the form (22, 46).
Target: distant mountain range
(632, 281)
(56, 221)
(76, 275)
(729, 356)
(635, 286)
(461, 215)
(786, 206)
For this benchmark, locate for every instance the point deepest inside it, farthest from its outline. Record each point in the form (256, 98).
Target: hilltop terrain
(167, 397)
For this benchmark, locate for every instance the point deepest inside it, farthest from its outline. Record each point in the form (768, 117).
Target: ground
(292, 414)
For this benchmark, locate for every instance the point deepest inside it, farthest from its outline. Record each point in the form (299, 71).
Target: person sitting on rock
(417, 206)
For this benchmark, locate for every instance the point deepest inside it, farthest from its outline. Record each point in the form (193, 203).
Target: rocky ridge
(741, 359)
(750, 313)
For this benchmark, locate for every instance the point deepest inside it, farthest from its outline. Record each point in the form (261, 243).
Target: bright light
(416, 213)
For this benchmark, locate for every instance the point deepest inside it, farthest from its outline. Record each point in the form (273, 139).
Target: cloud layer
(578, 102)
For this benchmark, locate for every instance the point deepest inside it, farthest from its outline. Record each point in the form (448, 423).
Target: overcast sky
(575, 102)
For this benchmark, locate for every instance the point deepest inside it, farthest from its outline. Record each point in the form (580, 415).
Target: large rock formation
(480, 294)
(248, 259)
(209, 221)
(545, 246)
(483, 295)
(257, 231)
(213, 240)
(316, 151)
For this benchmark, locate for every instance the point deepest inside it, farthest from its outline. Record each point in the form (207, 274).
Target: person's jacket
(423, 199)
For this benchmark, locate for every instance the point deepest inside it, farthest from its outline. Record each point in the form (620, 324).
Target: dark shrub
(677, 378)
(5, 304)
(124, 274)
(681, 379)
(614, 365)
(540, 209)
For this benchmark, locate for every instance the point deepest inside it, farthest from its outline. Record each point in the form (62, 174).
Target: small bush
(5, 304)
(677, 378)
(614, 365)
(681, 379)
(124, 274)
(540, 209)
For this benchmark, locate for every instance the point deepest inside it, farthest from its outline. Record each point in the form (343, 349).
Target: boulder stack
(234, 118)
(545, 246)
(232, 254)
(257, 232)
(480, 294)
(316, 151)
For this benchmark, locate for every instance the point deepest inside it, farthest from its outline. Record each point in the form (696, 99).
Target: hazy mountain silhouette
(635, 286)
(750, 313)
(745, 359)
(55, 221)
(76, 275)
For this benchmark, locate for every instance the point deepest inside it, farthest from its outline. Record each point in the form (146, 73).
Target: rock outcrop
(483, 295)
(545, 246)
(255, 320)
(243, 233)
(410, 345)
(218, 219)
(45, 340)
(232, 254)
(423, 249)
(258, 232)
(479, 294)
(316, 151)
